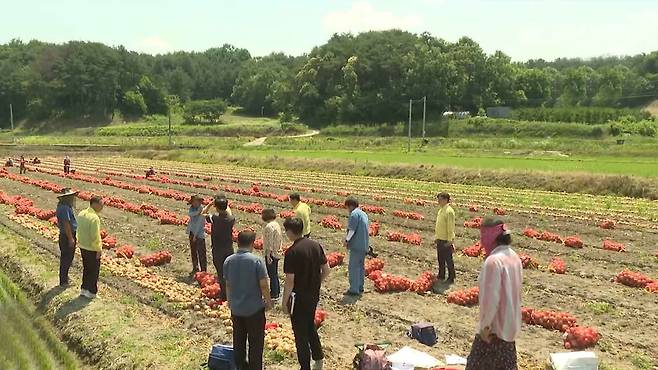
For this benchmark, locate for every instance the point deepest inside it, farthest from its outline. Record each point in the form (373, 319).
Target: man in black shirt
(305, 266)
(221, 236)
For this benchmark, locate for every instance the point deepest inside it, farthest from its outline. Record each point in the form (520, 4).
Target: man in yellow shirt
(90, 243)
(445, 237)
(302, 211)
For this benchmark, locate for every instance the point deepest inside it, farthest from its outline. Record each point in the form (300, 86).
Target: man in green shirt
(89, 240)
(302, 211)
(445, 237)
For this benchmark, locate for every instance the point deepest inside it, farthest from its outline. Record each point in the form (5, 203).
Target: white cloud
(362, 16)
(154, 45)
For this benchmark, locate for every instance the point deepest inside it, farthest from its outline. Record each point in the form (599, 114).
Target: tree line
(368, 77)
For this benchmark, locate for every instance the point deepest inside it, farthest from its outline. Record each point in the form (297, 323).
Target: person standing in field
(22, 169)
(248, 298)
(68, 226)
(67, 165)
(89, 239)
(357, 242)
(305, 266)
(500, 283)
(445, 237)
(196, 231)
(221, 237)
(272, 242)
(302, 211)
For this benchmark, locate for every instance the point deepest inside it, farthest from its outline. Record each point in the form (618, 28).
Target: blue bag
(221, 358)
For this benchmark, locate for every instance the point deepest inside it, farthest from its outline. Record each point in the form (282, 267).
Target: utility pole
(424, 109)
(11, 120)
(169, 114)
(409, 143)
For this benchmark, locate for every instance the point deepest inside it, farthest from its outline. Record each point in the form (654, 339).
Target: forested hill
(352, 78)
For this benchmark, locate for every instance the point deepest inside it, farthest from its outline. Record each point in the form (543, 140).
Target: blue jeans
(356, 271)
(273, 274)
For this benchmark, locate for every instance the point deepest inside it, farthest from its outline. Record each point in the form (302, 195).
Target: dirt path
(261, 140)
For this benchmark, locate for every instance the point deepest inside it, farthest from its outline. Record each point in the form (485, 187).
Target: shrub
(286, 117)
(591, 115)
(365, 130)
(204, 111)
(626, 126)
(502, 127)
(289, 128)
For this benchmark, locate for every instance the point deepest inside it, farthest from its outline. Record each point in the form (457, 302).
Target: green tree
(255, 86)
(153, 96)
(133, 105)
(204, 111)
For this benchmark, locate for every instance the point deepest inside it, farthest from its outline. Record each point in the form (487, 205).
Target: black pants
(65, 258)
(67, 169)
(307, 339)
(251, 329)
(273, 274)
(444, 255)
(91, 267)
(198, 251)
(219, 256)
(23, 170)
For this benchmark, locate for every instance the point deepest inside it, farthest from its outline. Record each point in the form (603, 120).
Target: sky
(522, 29)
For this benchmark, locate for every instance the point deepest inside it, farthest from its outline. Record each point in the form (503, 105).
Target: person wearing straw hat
(196, 230)
(500, 284)
(67, 225)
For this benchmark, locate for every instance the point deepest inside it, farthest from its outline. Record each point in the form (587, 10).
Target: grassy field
(599, 165)
(29, 341)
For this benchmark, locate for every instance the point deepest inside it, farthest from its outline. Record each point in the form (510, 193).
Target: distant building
(499, 112)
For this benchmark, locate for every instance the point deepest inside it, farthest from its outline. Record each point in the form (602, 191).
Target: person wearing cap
(89, 240)
(500, 284)
(196, 230)
(357, 242)
(221, 238)
(302, 211)
(445, 237)
(67, 225)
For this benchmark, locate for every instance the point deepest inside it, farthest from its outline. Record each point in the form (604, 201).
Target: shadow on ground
(71, 306)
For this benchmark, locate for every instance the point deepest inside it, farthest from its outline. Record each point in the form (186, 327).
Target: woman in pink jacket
(500, 281)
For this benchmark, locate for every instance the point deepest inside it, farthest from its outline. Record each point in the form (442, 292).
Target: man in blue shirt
(67, 228)
(248, 293)
(196, 230)
(357, 242)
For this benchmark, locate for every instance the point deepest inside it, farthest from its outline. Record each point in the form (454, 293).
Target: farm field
(598, 156)
(148, 216)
